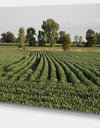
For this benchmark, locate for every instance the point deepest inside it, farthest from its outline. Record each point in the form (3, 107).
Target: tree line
(49, 34)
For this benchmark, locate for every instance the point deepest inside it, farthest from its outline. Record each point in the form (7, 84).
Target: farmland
(54, 79)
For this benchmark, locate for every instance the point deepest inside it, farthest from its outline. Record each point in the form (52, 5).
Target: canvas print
(50, 56)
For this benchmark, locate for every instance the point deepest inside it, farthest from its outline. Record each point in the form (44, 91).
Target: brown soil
(20, 49)
(45, 49)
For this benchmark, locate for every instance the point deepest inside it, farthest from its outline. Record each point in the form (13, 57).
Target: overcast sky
(74, 19)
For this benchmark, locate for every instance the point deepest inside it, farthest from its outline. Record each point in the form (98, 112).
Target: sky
(74, 19)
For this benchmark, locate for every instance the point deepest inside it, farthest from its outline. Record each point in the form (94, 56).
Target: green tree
(61, 34)
(22, 37)
(3, 37)
(41, 38)
(76, 39)
(91, 38)
(80, 40)
(8, 37)
(66, 41)
(98, 37)
(50, 28)
(30, 37)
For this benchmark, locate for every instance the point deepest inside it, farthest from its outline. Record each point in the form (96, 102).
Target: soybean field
(53, 79)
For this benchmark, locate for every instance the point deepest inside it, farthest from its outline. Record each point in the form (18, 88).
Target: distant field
(55, 79)
(57, 47)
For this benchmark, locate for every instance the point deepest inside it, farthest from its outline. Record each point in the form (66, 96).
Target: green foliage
(61, 34)
(50, 28)
(8, 37)
(91, 38)
(63, 80)
(30, 37)
(66, 41)
(4, 37)
(22, 37)
(98, 37)
(41, 38)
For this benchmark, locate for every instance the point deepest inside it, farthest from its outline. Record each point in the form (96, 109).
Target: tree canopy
(61, 34)
(22, 37)
(65, 40)
(41, 38)
(30, 37)
(49, 34)
(90, 37)
(50, 28)
(8, 37)
(98, 37)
